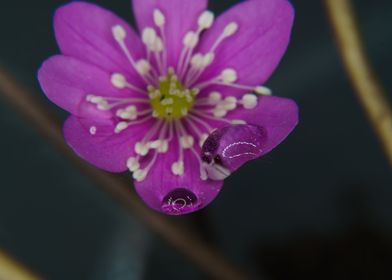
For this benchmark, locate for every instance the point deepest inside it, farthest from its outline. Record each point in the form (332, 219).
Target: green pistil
(171, 100)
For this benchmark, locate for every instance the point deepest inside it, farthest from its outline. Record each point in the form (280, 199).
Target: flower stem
(202, 255)
(367, 88)
(10, 269)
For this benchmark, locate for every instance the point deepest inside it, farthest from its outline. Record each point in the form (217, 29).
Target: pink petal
(84, 31)
(102, 148)
(67, 81)
(277, 116)
(257, 47)
(161, 190)
(181, 17)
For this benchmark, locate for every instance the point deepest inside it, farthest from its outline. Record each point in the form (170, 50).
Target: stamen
(120, 127)
(202, 122)
(187, 141)
(201, 114)
(142, 148)
(133, 164)
(124, 125)
(148, 36)
(119, 81)
(189, 145)
(191, 39)
(143, 67)
(139, 175)
(178, 166)
(203, 172)
(206, 20)
(228, 76)
(202, 136)
(119, 35)
(159, 18)
(249, 101)
(108, 103)
(263, 90)
(229, 31)
(161, 145)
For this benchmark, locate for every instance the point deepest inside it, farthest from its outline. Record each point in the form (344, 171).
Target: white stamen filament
(119, 81)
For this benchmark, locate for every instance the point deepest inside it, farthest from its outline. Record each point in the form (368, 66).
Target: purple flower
(147, 103)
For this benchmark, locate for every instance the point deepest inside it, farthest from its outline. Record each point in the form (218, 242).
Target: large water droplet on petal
(180, 201)
(230, 147)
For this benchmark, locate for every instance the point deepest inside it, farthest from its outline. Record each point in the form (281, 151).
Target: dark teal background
(317, 207)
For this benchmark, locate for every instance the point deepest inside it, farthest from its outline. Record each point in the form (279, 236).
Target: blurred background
(317, 207)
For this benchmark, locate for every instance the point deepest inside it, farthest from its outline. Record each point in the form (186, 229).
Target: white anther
(229, 76)
(263, 90)
(103, 105)
(249, 101)
(93, 130)
(191, 39)
(197, 61)
(230, 103)
(118, 80)
(157, 46)
(208, 59)
(155, 114)
(133, 164)
(238, 122)
(178, 168)
(142, 149)
(159, 18)
(203, 139)
(143, 67)
(206, 20)
(230, 29)
(129, 113)
(215, 97)
(139, 175)
(169, 110)
(154, 94)
(119, 33)
(148, 37)
(220, 112)
(167, 101)
(162, 146)
(184, 112)
(94, 99)
(187, 141)
(120, 127)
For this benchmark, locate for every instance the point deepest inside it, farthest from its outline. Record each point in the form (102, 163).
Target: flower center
(171, 100)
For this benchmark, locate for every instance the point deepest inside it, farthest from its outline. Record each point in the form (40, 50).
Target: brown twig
(209, 260)
(12, 270)
(367, 87)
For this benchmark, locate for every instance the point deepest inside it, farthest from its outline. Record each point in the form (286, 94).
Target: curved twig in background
(207, 259)
(11, 270)
(369, 91)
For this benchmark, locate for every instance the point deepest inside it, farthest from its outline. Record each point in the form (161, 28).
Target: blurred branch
(11, 270)
(207, 259)
(368, 89)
